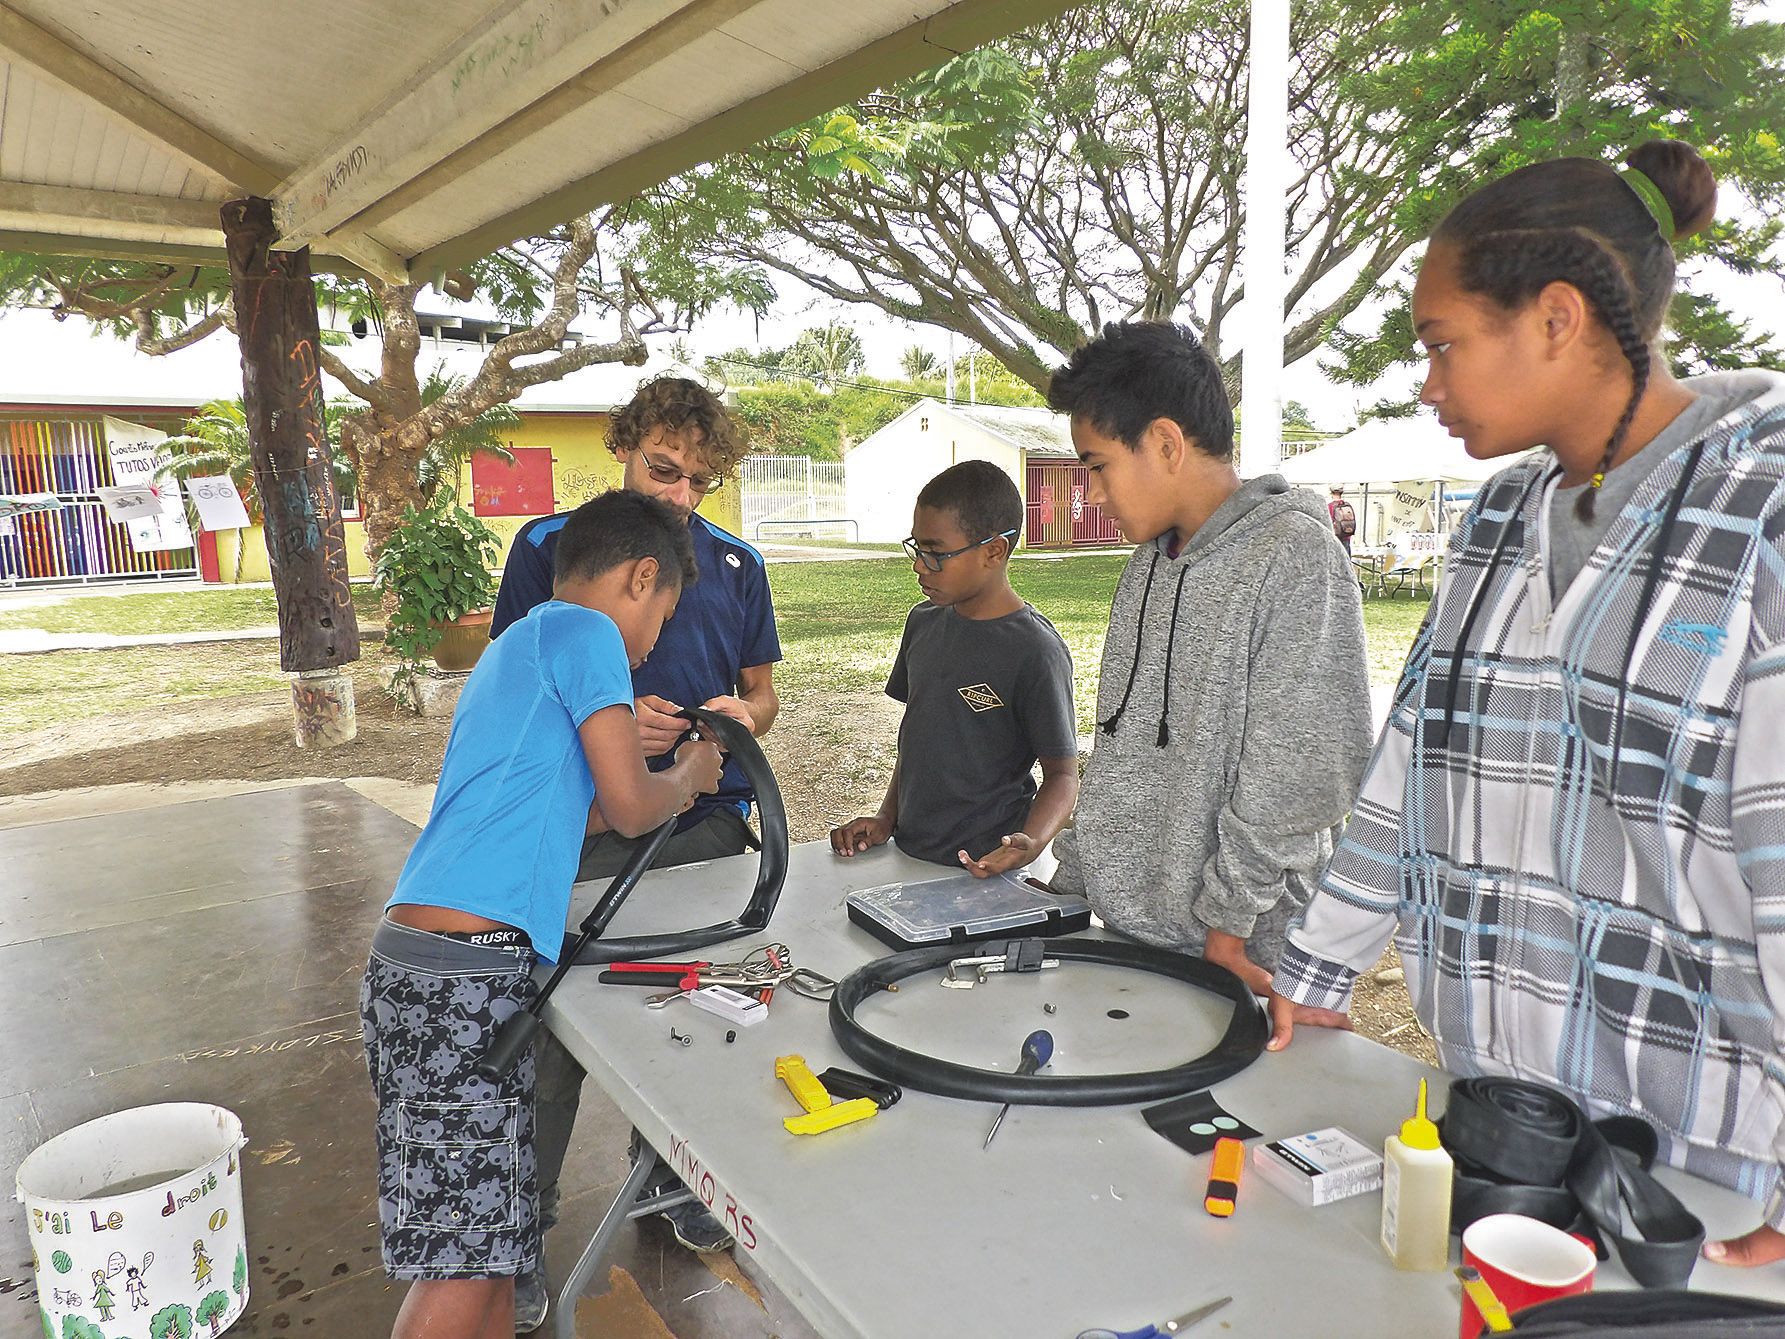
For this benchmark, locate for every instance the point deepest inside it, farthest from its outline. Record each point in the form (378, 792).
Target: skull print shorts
(457, 1192)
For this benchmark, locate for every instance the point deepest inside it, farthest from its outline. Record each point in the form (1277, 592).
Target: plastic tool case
(960, 909)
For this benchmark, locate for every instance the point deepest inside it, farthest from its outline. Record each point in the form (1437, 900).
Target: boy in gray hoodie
(1234, 707)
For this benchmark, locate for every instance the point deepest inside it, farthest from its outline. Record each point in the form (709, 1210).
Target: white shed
(883, 475)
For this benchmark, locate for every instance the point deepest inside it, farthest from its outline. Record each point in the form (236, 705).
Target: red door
(521, 489)
(1089, 525)
(1049, 525)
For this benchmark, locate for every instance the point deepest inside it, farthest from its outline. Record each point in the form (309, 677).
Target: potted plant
(435, 571)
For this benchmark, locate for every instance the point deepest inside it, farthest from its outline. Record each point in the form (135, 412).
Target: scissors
(1164, 1328)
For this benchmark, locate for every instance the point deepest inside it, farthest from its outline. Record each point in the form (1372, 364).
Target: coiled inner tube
(1525, 1148)
(1239, 1046)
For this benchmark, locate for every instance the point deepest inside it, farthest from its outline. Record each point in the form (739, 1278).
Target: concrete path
(204, 942)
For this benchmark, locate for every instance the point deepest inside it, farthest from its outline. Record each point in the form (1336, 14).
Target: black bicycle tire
(771, 862)
(1241, 1044)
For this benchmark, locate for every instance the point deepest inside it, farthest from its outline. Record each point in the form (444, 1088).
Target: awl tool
(1038, 1049)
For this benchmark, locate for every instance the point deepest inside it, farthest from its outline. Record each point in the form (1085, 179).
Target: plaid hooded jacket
(1574, 822)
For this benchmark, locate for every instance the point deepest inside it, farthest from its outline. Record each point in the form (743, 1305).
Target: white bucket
(137, 1216)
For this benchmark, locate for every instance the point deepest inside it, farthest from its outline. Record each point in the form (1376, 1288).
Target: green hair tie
(1652, 199)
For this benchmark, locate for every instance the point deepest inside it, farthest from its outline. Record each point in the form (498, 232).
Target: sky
(1333, 406)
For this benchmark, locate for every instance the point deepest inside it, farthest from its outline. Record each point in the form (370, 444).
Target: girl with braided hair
(1573, 824)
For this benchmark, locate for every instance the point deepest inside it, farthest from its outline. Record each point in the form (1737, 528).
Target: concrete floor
(211, 950)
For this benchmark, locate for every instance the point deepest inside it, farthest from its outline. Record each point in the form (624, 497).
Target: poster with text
(137, 455)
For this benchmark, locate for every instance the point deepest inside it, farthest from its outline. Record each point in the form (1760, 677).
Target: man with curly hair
(675, 442)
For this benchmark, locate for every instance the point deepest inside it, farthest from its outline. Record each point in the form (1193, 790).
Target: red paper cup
(1525, 1262)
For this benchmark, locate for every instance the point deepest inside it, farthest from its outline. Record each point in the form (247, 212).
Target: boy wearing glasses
(676, 443)
(987, 688)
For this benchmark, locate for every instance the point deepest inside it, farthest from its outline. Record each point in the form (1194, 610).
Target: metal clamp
(1019, 955)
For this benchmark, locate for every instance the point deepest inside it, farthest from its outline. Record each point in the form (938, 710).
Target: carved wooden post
(282, 392)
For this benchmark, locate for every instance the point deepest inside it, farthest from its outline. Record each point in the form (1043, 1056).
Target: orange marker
(1224, 1178)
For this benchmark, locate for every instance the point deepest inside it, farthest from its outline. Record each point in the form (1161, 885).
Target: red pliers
(687, 974)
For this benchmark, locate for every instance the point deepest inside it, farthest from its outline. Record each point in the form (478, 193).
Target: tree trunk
(282, 392)
(388, 482)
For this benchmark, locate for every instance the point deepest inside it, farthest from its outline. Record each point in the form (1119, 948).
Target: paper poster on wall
(219, 503)
(131, 502)
(137, 456)
(18, 504)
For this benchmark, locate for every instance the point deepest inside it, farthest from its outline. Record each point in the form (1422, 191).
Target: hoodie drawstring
(1657, 557)
(1171, 645)
(1109, 727)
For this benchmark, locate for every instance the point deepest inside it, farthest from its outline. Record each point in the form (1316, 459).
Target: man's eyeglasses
(665, 473)
(932, 559)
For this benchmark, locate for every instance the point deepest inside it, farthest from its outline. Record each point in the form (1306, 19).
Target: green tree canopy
(173, 1321)
(1092, 169)
(795, 418)
(918, 363)
(211, 1309)
(826, 354)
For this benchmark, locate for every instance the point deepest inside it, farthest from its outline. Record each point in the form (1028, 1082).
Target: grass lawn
(1389, 628)
(840, 624)
(146, 613)
(57, 686)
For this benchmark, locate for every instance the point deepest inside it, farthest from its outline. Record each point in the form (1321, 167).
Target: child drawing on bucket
(136, 1286)
(201, 1264)
(102, 1295)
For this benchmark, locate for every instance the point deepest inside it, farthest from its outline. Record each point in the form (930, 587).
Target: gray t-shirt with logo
(984, 698)
(1572, 540)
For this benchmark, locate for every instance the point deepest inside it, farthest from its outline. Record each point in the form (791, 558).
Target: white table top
(903, 1226)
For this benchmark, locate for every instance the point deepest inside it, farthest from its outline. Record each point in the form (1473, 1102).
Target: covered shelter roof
(410, 137)
(1040, 432)
(1392, 451)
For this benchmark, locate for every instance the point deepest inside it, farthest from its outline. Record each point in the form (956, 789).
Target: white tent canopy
(1392, 451)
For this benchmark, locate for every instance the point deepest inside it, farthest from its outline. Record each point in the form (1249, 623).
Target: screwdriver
(1038, 1049)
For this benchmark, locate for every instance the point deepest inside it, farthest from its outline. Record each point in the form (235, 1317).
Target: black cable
(1240, 1045)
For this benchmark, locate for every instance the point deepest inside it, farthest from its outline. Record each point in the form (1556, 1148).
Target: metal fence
(77, 542)
(793, 496)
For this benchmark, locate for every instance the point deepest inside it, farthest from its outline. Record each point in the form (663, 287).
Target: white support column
(1267, 224)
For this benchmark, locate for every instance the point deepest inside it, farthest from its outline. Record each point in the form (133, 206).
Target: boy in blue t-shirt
(987, 688)
(544, 746)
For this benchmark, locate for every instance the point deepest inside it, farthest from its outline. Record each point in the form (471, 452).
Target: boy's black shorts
(457, 1192)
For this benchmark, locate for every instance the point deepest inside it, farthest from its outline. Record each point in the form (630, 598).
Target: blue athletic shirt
(506, 830)
(724, 623)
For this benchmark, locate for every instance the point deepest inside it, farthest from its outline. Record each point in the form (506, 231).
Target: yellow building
(63, 388)
(567, 446)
